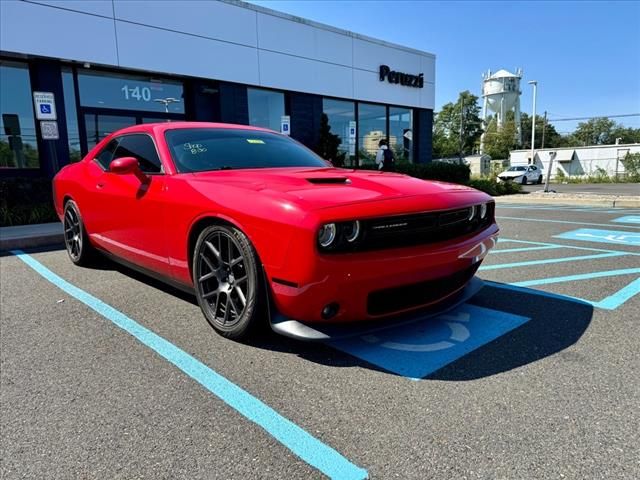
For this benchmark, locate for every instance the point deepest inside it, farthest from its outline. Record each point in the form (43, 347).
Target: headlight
(351, 231)
(483, 210)
(472, 212)
(327, 234)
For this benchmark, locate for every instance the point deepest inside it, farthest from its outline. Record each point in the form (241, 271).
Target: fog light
(330, 311)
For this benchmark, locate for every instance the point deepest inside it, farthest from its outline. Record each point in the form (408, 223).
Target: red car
(260, 227)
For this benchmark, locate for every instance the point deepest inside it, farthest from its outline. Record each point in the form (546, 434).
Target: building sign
(415, 81)
(45, 105)
(130, 92)
(285, 125)
(49, 130)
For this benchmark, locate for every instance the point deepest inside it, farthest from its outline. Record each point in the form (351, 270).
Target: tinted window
(105, 156)
(200, 149)
(142, 148)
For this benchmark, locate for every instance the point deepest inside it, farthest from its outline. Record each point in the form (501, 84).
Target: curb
(580, 201)
(53, 240)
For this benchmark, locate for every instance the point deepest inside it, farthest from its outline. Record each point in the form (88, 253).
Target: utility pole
(461, 126)
(544, 127)
(533, 122)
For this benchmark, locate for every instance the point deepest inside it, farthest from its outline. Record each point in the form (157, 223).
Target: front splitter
(318, 332)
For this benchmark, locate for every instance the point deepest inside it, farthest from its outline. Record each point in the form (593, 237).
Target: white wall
(219, 40)
(585, 160)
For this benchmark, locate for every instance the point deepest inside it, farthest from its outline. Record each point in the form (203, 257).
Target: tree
(446, 127)
(552, 138)
(329, 143)
(499, 142)
(597, 131)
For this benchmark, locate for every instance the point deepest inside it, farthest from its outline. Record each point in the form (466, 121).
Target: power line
(596, 116)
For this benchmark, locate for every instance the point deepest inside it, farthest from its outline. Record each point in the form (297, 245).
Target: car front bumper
(361, 283)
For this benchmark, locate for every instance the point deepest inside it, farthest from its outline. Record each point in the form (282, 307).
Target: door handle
(100, 185)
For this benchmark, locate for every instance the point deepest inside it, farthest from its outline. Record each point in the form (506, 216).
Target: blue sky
(584, 55)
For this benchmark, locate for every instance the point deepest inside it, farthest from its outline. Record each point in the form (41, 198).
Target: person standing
(384, 157)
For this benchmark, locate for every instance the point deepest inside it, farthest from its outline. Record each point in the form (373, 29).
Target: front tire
(539, 180)
(79, 248)
(227, 281)
(524, 180)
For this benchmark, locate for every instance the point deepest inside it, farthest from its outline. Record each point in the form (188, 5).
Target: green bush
(494, 188)
(631, 164)
(444, 172)
(25, 201)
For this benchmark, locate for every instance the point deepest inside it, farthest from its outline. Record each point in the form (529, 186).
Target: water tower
(501, 93)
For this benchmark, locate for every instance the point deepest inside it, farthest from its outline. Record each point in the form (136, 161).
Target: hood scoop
(329, 180)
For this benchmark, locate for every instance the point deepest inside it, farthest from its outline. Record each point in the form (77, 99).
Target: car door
(134, 222)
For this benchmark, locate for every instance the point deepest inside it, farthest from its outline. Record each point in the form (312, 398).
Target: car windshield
(203, 149)
(516, 169)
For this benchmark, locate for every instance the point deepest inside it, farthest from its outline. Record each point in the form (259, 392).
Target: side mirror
(124, 166)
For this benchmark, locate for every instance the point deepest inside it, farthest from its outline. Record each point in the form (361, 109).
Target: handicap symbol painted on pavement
(603, 236)
(419, 349)
(634, 219)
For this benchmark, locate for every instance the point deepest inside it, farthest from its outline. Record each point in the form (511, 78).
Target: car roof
(161, 127)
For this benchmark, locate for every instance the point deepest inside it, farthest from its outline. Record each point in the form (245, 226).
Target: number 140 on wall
(136, 93)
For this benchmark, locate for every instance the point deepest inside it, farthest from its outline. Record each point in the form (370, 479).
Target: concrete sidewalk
(31, 236)
(578, 199)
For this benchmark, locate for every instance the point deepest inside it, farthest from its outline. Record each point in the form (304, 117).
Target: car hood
(512, 174)
(325, 187)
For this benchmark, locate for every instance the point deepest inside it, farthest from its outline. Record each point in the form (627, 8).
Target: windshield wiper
(224, 167)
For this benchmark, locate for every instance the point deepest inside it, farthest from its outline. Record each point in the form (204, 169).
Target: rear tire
(227, 281)
(539, 180)
(79, 248)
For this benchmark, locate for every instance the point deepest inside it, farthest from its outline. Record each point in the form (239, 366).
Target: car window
(105, 156)
(202, 149)
(142, 148)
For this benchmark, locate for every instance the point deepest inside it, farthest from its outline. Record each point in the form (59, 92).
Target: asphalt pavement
(536, 377)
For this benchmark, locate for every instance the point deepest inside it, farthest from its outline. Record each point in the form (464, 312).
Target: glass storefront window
(99, 126)
(401, 133)
(129, 92)
(71, 114)
(341, 117)
(266, 108)
(372, 127)
(18, 141)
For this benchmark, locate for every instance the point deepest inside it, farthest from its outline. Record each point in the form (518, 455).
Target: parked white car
(521, 174)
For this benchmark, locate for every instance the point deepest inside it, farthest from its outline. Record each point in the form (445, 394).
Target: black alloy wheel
(226, 280)
(80, 250)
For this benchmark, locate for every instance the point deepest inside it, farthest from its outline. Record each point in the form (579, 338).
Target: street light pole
(533, 121)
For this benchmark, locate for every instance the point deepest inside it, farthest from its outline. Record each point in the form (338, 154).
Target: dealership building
(71, 72)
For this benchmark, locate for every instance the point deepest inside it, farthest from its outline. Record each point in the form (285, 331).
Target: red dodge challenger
(261, 228)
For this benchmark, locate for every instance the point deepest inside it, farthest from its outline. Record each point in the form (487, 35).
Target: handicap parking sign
(45, 105)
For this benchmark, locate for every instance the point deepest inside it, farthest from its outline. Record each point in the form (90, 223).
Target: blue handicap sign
(45, 108)
(603, 236)
(419, 349)
(628, 219)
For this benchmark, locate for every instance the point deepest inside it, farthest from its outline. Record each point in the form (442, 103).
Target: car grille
(390, 300)
(418, 229)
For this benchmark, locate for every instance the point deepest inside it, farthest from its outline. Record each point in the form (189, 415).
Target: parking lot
(108, 374)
